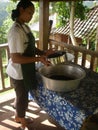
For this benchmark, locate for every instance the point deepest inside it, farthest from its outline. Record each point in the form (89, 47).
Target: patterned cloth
(69, 109)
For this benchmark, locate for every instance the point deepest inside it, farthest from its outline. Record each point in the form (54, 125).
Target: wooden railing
(79, 53)
(4, 79)
(82, 55)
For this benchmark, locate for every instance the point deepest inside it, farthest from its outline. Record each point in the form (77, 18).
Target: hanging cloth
(28, 69)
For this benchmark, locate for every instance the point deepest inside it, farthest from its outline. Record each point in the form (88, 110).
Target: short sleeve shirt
(16, 42)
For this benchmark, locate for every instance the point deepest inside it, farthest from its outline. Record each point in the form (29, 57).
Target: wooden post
(43, 24)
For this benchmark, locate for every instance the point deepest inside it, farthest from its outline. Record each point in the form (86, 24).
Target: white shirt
(16, 42)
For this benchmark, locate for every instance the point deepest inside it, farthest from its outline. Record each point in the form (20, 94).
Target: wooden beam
(43, 24)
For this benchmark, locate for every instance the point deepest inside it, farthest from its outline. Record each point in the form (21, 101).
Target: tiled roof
(82, 28)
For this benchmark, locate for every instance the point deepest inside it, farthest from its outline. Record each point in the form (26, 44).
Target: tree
(72, 12)
(63, 10)
(6, 23)
(67, 11)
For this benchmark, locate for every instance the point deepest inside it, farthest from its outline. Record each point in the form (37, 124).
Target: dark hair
(24, 4)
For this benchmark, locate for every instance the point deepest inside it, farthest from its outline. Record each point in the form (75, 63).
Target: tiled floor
(41, 119)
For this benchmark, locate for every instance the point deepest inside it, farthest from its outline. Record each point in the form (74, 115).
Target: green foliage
(80, 10)
(92, 45)
(13, 0)
(63, 11)
(2, 35)
(97, 69)
(36, 13)
(6, 24)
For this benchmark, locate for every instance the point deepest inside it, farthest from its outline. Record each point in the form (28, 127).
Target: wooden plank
(76, 57)
(83, 59)
(92, 62)
(5, 47)
(43, 24)
(1, 71)
(76, 50)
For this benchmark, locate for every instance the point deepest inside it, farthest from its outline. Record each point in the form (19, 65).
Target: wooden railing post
(59, 46)
(1, 72)
(76, 51)
(3, 83)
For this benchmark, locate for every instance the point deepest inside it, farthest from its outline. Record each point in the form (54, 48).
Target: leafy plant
(63, 11)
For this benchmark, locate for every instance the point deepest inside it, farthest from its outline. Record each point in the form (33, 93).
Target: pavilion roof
(82, 28)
